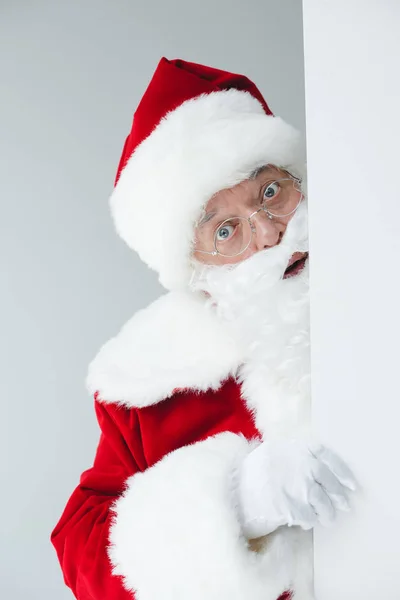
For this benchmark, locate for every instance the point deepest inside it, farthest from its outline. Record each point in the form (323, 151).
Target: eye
(224, 232)
(271, 190)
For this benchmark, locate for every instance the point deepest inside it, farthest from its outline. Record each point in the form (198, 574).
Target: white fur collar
(176, 342)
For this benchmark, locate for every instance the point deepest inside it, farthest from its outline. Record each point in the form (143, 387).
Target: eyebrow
(206, 218)
(259, 170)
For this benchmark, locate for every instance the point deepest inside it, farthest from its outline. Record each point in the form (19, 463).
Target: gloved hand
(290, 482)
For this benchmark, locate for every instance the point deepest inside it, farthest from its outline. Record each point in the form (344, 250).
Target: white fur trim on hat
(208, 143)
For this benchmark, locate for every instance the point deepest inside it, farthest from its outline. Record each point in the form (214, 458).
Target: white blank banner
(352, 70)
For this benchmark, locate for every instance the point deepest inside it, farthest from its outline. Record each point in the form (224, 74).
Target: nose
(268, 232)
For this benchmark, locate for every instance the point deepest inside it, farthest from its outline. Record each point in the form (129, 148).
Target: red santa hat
(197, 130)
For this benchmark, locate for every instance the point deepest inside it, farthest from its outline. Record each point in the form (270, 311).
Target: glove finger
(336, 465)
(299, 513)
(331, 485)
(321, 504)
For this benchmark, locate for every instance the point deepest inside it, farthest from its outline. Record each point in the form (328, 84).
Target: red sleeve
(81, 535)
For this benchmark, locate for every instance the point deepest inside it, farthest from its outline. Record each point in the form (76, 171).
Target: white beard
(270, 318)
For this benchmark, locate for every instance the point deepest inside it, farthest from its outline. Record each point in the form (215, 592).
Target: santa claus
(206, 483)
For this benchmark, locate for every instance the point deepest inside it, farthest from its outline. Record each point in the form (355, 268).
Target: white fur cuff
(175, 534)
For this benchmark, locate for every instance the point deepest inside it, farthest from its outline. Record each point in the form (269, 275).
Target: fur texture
(206, 144)
(193, 535)
(176, 342)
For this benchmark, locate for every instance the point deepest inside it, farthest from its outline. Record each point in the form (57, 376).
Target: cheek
(208, 259)
(218, 260)
(237, 259)
(205, 259)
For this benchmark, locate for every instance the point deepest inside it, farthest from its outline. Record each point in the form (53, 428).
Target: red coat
(154, 508)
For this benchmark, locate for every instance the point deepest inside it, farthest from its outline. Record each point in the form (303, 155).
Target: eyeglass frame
(253, 229)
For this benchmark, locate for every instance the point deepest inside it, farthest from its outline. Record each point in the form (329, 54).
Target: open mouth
(296, 264)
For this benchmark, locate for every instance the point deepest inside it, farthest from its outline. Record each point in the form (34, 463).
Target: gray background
(72, 73)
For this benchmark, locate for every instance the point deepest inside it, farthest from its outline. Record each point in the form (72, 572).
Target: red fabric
(131, 441)
(174, 82)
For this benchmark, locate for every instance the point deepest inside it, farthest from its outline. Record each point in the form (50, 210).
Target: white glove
(290, 482)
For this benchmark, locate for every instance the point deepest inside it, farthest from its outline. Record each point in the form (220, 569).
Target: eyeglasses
(281, 199)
